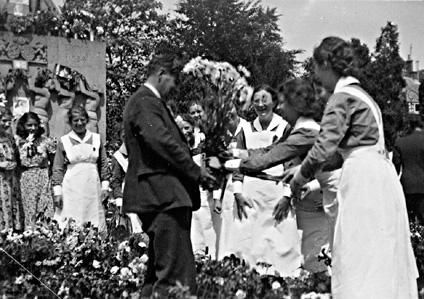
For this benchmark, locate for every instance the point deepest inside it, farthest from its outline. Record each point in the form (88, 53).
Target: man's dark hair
(171, 63)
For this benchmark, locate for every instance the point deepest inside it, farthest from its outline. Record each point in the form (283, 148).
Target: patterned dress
(35, 180)
(11, 213)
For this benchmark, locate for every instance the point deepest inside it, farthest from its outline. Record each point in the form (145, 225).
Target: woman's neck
(265, 121)
(233, 128)
(81, 135)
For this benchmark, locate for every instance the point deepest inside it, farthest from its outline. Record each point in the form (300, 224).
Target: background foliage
(239, 32)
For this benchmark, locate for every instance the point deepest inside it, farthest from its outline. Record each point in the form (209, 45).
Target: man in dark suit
(411, 150)
(162, 181)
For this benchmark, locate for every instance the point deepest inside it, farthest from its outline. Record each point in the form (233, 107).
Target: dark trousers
(415, 207)
(170, 252)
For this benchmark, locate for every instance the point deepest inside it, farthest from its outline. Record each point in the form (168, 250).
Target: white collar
(275, 122)
(240, 126)
(306, 123)
(123, 149)
(153, 89)
(345, 81)
(74, 136)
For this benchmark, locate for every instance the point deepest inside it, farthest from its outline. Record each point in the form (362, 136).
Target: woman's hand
(297, 183)
(217, 206)
(289, 174)
(282, 209)
(58, 201)
(241, 202)
(305, 191)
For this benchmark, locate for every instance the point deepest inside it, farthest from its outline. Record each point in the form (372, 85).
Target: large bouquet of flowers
(221, 88)
(224, 87)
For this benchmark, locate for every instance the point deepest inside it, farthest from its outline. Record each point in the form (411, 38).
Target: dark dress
(11, 210)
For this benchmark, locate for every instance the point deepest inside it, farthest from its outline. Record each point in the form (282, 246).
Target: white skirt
(259, 239)
(372, 253)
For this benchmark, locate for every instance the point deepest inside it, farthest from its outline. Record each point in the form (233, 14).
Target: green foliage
(241, 33)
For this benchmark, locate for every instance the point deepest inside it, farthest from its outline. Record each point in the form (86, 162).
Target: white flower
(243, 70)
(276, 285)
(124, 246)
(100, 30)
(114, 270)
(20, 279)
(220, 281)
(96, 264)
(240, 294)
(27, 233)
(144, 258)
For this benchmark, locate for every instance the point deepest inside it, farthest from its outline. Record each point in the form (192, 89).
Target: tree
(132, 31)
(421, 96)
(386, 82)
(237, 32)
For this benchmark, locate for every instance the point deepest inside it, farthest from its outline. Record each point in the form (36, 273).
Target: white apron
(372, 253)
(81, 184)
(205, 223)
(135, 220)
(259, 239)
(227, 215)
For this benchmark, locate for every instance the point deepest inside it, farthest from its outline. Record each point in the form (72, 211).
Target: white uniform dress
(259, 239)
(372, 255)
(205, 223)
(81, 187)
(228, 212)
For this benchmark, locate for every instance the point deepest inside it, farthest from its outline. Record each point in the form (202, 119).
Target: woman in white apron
(372, 252)
(79, 166)
(256, 237)
(205, 223)
(315, 213)
(236, 126)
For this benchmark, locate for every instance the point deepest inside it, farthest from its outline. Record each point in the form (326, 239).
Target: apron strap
(121, 160)
(67, 144)
(96, 140)
(373, 106)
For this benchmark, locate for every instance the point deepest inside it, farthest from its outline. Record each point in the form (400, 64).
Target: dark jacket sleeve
(241, 144)
(150, 127)
(297, 144)
(117, 178)
(334, 125)
(102, 164)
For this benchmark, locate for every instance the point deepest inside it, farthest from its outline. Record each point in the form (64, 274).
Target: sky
(304, 23)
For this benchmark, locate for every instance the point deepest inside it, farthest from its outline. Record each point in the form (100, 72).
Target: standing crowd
(42, 178)
(309, 172)
(339, 188)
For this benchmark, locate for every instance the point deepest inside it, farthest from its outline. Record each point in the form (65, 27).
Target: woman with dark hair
(255, 236)
(36, 153)
(11, 213)
(302, 107)
(80, 176)
(372, 252)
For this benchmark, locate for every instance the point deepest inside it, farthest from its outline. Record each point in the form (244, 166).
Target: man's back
(161, 173)
(412, 151)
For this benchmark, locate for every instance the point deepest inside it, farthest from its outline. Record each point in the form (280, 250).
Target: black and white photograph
(212, 149)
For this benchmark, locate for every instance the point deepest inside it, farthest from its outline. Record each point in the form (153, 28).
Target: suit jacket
(161, 173)
(411, 149)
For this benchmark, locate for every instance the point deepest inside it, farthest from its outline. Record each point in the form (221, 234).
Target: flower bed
(83, 263)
